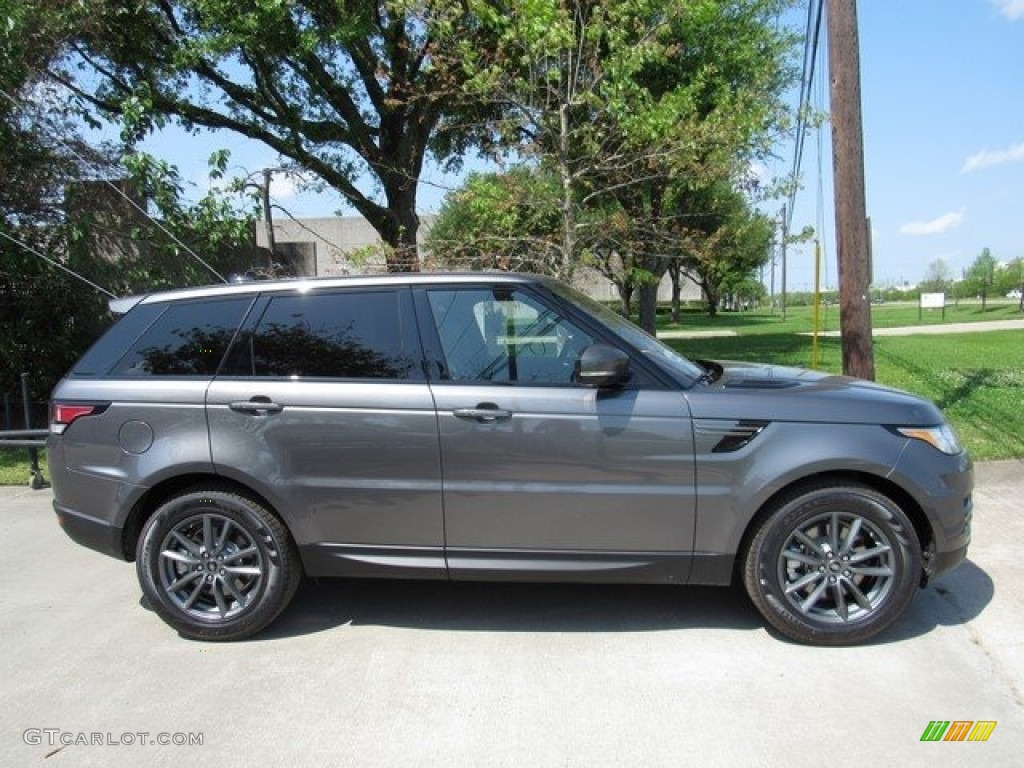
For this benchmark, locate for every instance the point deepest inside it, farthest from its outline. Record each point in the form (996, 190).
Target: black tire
(833, 564)
(216, 565)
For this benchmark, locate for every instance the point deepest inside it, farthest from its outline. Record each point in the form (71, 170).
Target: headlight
(942, 437)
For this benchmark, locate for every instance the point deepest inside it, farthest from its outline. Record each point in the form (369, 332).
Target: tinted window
(111, 346)
(505, 335)
(352, 334)
(188, 339)
(647, 344)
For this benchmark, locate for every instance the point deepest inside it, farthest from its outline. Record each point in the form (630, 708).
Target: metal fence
(12, 413)
(34, 439)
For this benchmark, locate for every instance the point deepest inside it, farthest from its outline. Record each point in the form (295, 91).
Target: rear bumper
(91, 532)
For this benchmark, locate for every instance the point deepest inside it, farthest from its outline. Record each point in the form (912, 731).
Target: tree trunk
(568, 217)
(655, 266)
(399, 226)
(649, 306)
(711, 298)
(675, 272)
(625, 289)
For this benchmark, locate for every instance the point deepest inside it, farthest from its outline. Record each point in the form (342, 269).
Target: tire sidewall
(768, 593)
(273, 592)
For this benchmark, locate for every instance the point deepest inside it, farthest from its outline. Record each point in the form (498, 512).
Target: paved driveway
(396, 673)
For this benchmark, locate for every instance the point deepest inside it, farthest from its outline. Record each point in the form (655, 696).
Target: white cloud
(986, 159)
(943, 223)
(1011, 9)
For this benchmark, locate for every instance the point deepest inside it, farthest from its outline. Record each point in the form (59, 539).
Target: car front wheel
(216, 565)
(833, 565)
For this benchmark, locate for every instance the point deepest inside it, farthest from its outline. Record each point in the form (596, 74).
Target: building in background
(348, 245)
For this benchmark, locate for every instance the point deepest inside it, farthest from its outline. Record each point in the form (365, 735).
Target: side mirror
(601, 365)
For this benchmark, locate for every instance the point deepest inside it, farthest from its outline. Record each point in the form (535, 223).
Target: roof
(123, 305)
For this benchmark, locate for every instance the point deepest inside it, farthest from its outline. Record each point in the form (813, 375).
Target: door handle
(257, 406)
(485, 413)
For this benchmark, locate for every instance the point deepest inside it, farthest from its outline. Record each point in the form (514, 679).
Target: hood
(776, 393)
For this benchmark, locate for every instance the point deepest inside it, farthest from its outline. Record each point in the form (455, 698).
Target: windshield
(644, 342)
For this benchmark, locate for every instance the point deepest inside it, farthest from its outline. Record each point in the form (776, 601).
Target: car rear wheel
(833, 564)
(216, 565)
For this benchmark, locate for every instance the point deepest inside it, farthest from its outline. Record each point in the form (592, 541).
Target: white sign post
(932, 301)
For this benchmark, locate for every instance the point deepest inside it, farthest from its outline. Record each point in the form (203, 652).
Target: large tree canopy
(62, 216)
(353, 92)
(358, 93)
(641, 111)
(37, 164)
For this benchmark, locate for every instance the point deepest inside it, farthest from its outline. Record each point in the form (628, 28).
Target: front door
(542, 475)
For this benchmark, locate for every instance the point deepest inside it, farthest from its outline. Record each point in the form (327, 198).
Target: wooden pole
(851, 207)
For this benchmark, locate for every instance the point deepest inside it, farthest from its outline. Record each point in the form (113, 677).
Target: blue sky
(943, 104)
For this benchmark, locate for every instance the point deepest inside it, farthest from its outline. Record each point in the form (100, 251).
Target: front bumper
(941, 562)
(943, 487)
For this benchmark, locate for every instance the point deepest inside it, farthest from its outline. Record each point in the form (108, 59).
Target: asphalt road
(433, 674)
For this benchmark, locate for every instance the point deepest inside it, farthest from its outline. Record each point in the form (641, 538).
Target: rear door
(543, 477)
(322, 405)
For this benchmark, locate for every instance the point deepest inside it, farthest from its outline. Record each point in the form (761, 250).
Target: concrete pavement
(915, 330)
(907, 330)
(434, 674)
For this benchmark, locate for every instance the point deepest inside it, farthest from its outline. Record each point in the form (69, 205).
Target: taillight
(62, 415)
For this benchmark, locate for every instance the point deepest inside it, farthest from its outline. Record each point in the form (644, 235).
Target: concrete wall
(343, 245)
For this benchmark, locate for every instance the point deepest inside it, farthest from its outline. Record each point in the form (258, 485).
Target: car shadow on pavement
(952, 599)
(321, 605)
(504, 607)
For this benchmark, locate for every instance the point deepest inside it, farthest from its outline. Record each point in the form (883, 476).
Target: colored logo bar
(958, 730)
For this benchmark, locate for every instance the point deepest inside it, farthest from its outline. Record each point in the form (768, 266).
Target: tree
(46, 316)
(937, 277)
(512, 221)
(727, 240)
(626, 101)
(356, 93)
(1009, 277)
(981, 275)
(67, 236)
(507, 221)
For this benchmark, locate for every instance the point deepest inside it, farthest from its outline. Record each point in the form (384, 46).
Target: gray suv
(487, 426)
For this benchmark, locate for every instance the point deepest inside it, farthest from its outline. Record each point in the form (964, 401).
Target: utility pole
(268, 220)
(848, 172)
(785, 237)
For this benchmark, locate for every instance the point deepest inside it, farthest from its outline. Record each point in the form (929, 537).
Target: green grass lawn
(14, 467)
(799, 319)
(976, 378)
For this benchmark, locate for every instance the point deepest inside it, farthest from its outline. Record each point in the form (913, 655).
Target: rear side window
(187, 339)
(346, 334)
(111, 346)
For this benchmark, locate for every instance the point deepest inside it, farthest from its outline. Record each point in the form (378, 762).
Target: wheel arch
(882, 485)
(151, 500)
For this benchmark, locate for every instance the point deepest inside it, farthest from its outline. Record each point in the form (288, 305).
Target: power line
(67, 146)
(812, 37)
(56, 264)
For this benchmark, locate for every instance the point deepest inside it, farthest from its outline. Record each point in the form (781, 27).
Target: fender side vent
(732, 435)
